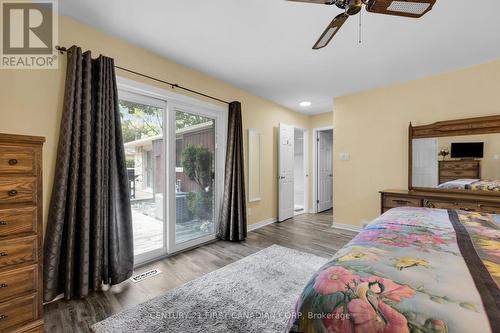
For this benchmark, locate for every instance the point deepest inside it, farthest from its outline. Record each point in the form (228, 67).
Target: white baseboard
(254, 226)
(258, 225)
(346, 227)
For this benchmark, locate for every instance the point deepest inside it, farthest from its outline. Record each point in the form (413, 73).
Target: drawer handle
(2, 317)
(4, 285)
(402, 202)
(3, 254)
(430, 205)
(13, 161)
(3, 223)
(12, 193)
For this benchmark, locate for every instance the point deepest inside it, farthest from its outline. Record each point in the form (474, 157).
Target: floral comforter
(485, 185)
(471, 184)
(410, 270)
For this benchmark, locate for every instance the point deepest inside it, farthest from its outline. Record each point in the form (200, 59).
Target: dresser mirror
(456, 156)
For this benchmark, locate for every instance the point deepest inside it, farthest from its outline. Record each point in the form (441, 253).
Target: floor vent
(145, 275)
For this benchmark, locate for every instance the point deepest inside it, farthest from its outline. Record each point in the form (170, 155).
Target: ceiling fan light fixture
(406, 8)
(417, 8)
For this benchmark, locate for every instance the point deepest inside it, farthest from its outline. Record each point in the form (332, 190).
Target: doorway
(323, 169)
(293, 171)
(300, 171)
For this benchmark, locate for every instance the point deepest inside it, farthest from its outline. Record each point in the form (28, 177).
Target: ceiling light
(305, 104)
(416, 8)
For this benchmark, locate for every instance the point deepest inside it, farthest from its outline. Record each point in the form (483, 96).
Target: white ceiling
(264, 46)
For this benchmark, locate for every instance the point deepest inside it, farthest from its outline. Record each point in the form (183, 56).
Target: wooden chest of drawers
(21, 233)
(459, 169)
(441, 200)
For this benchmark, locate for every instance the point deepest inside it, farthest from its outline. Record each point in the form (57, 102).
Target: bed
(410, 270)
(471, 184)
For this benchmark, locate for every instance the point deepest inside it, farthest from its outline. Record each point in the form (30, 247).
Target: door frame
(315, 131)
(219, 160)
(174, 100)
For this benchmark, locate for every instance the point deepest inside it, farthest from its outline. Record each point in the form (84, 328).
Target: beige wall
(322, 120)
(372, 126)
(31, 103)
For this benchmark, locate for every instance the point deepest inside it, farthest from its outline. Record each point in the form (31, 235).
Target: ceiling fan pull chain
(360, 13)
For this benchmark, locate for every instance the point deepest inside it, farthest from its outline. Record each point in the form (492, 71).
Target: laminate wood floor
(308, 232)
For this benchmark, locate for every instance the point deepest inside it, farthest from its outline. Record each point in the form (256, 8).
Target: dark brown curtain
(233, 224)
(88, 240)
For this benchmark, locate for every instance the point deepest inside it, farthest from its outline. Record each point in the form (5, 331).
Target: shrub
(197, 164)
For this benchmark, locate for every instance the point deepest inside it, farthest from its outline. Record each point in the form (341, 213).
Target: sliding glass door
(198, 182)
(174, 207)
(194, 176)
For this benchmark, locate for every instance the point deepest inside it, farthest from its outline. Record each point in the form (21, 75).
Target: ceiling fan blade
(330, 31)
(321, 2)
(407, 8)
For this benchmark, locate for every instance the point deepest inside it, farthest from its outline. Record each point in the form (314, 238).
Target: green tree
(183, 119)
(140, 120)
(130, 162)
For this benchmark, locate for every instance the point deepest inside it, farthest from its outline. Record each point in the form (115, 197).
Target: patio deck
(148, 232)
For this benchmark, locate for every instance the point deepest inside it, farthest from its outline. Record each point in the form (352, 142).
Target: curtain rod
(62, 50)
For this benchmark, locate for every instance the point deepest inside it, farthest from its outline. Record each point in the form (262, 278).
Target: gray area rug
(255, 294)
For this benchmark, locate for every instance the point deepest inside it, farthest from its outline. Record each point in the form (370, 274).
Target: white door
(325, 171)
(285, 172)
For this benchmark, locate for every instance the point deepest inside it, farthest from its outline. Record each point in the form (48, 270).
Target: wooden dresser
(459, 169)
(21, 233)
(444, 200)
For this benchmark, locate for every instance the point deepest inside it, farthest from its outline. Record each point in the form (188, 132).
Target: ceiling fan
(407, 8)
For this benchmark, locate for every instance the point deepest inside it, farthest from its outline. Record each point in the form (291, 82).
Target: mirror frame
(457, 127)
(251, 154)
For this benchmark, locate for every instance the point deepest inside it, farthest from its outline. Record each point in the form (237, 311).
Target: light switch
(496, 157)
(344, 156)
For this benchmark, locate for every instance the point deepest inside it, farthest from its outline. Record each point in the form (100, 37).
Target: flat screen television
(467, 150)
